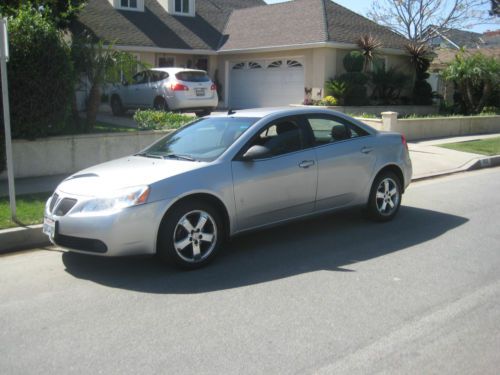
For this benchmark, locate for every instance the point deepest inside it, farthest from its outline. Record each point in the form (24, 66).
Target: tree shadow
(330, 242)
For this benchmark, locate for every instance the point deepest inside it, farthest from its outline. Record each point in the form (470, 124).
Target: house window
(239, 66)
(379, 63)
(275, 64)
(181, 6)
(166, 61)
(293, 64)
(254, 65)
(128, 4)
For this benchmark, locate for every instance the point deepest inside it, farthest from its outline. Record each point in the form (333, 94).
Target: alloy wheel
(387, 196)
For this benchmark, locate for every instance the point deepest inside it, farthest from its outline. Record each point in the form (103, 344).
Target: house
(454, 38)
(260, 54)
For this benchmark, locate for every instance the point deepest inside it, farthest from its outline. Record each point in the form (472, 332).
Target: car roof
(177, 70)
(291, 111)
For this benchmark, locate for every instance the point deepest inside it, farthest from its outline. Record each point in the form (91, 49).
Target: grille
(53, 201)
(84, 244)
(64, 206)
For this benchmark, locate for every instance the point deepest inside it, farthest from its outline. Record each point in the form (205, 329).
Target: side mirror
(256, 152)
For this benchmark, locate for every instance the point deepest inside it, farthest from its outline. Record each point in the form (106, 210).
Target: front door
(279, 186)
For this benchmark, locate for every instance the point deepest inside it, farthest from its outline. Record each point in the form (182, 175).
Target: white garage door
(266, 83)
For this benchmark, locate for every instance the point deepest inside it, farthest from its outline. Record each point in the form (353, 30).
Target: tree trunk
(74, 111)
(487, 89)
(93, 105)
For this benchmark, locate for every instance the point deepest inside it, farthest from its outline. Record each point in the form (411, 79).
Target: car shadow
(330, 242)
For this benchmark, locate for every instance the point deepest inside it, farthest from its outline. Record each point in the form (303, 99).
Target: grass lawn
(490, 146)
(29, 209)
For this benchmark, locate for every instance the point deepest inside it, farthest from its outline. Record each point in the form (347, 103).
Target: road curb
(474, 164)
(22, 238)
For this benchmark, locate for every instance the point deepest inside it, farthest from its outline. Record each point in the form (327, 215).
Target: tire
(385, 197)
(203, 113)
(116, 106)
(160, 105)
(177, 240)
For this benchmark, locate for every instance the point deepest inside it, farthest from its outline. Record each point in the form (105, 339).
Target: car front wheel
(191, 234)
(385, 197)
(116, 106)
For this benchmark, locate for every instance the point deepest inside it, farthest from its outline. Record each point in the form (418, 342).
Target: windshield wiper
(146, 155)
(179, 156)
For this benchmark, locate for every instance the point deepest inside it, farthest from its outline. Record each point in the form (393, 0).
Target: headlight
(117, 200)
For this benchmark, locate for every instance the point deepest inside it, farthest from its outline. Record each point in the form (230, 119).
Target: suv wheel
(116, 106)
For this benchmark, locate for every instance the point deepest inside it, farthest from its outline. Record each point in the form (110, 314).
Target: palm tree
(100, 63)
(369, 46)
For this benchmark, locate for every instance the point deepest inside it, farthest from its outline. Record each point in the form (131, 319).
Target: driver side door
(279, 186)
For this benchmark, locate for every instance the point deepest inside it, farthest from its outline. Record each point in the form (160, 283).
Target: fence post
(389, 121)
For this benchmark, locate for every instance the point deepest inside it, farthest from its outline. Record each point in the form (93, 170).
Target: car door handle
(306, 163)
(366, 150)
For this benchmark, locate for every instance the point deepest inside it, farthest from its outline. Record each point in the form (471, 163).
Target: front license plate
(200, 92)
(49, 227)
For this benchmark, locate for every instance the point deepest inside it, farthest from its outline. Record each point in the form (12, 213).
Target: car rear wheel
(160, 104)
(385, 197)
(116, 106)
(191, 234)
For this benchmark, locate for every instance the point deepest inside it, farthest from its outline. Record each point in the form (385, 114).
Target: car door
(282, 184)
(345, 159)
(133, 92)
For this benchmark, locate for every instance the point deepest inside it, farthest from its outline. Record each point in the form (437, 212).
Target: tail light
(178, 87)
(403, 140)
(213, 87)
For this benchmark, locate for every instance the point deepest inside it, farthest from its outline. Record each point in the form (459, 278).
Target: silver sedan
(183, 196)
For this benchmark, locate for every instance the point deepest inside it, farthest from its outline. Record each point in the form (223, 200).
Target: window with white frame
(182, 6)
(132, 4)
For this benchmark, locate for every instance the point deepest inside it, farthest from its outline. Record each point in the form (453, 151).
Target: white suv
(169, 89)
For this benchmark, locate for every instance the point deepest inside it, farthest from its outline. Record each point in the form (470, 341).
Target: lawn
(490, 146)
(29, 209)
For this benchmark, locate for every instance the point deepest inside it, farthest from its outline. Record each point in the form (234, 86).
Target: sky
(362, 7)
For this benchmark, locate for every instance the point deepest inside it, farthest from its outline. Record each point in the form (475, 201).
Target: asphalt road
(337, 294)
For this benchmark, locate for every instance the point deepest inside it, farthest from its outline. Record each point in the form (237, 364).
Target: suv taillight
(403, 140)
(213, 87)
(179, 87)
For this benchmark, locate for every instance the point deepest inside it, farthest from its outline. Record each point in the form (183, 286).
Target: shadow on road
(326, 243)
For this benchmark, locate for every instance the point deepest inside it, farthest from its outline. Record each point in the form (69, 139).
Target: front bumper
(130, 231)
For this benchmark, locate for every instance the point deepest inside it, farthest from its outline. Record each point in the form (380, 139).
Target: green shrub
(329, 100)
(388, 84)
(353, 61)
(336, 89)
(155, 120)
(40, 76)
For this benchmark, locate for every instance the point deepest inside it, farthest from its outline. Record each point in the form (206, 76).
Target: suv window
(139, 78)
(281, 137)
(192, 76)
(328, 129)
(158, 76)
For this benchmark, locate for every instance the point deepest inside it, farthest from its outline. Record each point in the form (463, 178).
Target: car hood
(122, 173)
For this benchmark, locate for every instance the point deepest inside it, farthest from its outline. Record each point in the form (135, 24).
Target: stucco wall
(69, 154)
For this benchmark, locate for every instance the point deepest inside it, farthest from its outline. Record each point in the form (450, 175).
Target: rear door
(346, 158)
(280, 186)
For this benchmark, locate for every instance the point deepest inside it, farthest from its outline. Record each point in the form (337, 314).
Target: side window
(330, 129)
(157, 76)
(281, 137)
(139, 78)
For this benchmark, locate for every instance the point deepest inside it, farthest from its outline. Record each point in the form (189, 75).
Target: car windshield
(202, 140)
(192, 76)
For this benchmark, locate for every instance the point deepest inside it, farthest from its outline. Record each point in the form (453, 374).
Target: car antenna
(230, 112)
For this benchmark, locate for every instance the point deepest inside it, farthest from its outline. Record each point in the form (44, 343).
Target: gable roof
(461, 38)
(282, 24)
(300, 22)
(346, 26)
(225, 25)
(156, 28)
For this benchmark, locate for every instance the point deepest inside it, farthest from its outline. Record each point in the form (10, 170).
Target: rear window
(192, 76)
